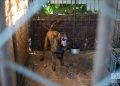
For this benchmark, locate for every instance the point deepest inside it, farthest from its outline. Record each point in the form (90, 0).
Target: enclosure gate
(72, 21)
(83, 21)
(85, 25)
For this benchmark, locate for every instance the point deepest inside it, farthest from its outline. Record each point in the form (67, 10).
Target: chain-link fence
(103, 50)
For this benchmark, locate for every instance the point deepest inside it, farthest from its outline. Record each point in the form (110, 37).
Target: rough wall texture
(14, 9)
(21, 44)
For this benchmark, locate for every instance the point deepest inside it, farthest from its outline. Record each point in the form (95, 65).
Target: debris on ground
(76, 71)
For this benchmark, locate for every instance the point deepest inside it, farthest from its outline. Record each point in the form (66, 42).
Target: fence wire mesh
(6, 35)
(106, 22)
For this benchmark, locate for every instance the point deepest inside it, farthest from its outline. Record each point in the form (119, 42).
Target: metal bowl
(75, 51)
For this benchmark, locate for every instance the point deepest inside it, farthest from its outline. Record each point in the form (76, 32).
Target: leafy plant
(64, 8)
(50, 8)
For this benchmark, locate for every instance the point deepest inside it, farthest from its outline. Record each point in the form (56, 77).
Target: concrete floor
(77, 70)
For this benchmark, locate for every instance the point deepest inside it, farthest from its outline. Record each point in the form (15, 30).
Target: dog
(57, 46)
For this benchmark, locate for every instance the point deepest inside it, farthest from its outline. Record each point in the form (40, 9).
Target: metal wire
(26, 72)
(3, 70)
(105, 32)
(34, 7)
(104, 37)
(4, 37)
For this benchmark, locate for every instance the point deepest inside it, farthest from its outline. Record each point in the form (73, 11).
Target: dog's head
(63, 39)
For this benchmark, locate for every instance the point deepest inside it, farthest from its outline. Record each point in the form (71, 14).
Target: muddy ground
(76, 71)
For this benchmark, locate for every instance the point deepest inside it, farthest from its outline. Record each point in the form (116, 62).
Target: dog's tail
(51, 27)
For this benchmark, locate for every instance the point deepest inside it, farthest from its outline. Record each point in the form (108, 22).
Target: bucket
(75, 51)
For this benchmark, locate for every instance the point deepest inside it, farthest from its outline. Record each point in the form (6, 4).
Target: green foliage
(64, 8)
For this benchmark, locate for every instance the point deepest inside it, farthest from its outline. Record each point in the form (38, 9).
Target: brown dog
(57, 50)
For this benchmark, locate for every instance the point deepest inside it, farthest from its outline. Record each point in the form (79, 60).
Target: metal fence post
(104, 39)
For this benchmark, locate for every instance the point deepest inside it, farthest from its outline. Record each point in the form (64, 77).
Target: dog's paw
(62, 64)
(41, 59)
(53, 67)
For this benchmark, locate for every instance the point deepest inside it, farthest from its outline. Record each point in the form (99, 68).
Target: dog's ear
(59, 36)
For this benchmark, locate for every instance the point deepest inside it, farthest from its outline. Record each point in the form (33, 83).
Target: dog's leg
(61, 60)
(54, 61)
(45, 48)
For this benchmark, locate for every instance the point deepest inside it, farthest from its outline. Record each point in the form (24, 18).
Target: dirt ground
(77, 70)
